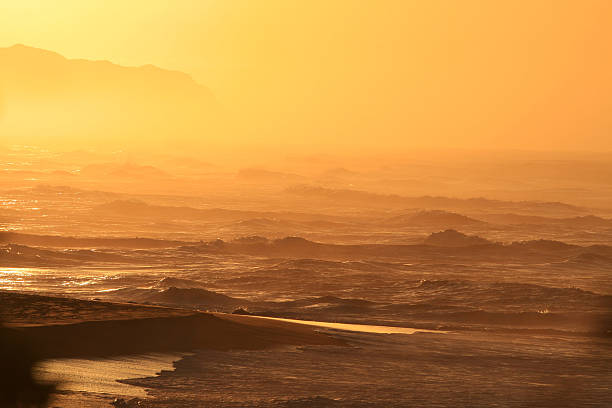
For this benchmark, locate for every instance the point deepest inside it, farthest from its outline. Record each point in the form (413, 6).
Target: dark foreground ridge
(181, 333)
(163, 330)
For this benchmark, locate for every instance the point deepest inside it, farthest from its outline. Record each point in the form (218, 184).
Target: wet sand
(99, 376)
(111, 375)
(236, 361)
(86, 346)
(398, 370)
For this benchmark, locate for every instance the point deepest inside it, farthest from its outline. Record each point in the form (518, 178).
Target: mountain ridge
(26, 48)
(48, 98)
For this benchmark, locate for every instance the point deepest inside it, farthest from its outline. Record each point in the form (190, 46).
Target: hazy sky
(528, 74)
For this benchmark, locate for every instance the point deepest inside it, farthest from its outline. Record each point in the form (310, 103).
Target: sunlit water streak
(363, 328)
(68, 280)
(15, 278)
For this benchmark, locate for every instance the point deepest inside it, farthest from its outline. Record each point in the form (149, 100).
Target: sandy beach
(318, 365)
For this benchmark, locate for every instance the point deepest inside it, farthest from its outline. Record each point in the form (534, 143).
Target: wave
(169, 282)
(590, 259)
(194, 297)
(509, 296)
(575, 322)
(23, 255)
(58, 241)
(443, 246)
(318, 265)
(329, 303)
(181, 297)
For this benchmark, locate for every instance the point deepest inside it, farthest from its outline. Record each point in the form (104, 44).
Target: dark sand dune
(20, 309)
(77, 328)
(155, 334)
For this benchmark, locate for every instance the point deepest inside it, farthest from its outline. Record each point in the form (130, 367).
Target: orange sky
(351, 74)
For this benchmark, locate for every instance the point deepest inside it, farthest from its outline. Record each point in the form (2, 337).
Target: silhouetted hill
(51, 98)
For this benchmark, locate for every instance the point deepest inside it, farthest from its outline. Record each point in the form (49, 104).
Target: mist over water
(315, 241)
(305, 204)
